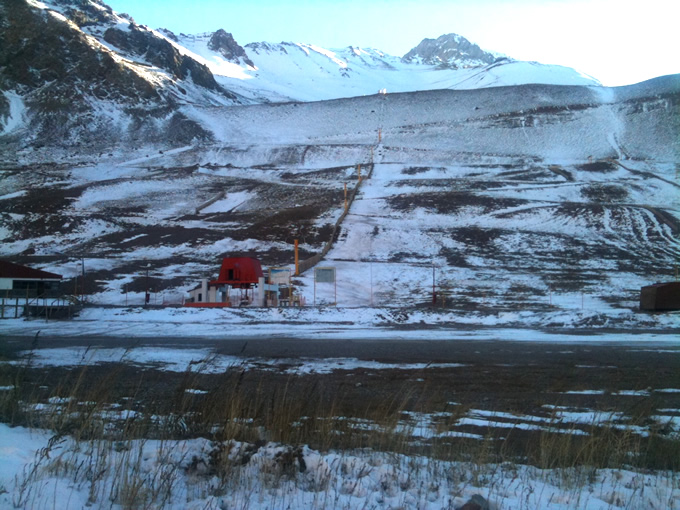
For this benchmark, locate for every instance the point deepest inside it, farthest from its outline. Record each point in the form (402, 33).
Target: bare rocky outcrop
(77, 92)
(53, 66)
(224, 43)
(161, 53)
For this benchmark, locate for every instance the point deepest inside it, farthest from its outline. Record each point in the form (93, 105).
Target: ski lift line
(313, 261)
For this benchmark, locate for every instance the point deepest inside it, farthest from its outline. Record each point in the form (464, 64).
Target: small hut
(660, 297)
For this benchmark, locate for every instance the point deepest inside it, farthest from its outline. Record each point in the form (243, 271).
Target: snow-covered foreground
(42, 470)
(570, 325)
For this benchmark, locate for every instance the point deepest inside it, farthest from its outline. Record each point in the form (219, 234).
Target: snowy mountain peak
(223, 42)
(73, 65)
(451, 51)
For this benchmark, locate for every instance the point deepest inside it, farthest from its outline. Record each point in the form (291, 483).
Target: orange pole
(345, 196)
(297, 259)
(359, 172)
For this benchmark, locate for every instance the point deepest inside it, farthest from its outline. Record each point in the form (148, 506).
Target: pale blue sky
(617, 41)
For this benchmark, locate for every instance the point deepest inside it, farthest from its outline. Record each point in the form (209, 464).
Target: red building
(241, 273)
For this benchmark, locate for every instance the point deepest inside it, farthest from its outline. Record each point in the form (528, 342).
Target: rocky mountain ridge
(224, 43)
(79, 74)
(450, 51)
(75, 72)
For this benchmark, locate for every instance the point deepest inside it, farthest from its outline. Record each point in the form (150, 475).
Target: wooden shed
(660, 297)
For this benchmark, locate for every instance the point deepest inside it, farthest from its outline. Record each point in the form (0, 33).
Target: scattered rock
(476, 502)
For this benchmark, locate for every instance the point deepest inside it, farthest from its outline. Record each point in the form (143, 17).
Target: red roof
(18, 272)
(239, 272)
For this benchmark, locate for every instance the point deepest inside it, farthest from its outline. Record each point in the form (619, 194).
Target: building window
(24, 285)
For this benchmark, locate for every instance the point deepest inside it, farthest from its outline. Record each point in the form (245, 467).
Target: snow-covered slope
(537, 121)
(80, 74)
(305, 72)
(526, 194)
(114, 142)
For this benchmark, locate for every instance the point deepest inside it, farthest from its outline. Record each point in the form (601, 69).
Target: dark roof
(663, 284)
(660, 297)
(18, 272)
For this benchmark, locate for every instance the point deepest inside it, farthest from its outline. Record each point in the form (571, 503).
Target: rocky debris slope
(81, 75)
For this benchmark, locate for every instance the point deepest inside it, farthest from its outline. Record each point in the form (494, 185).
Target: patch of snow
(230, 203)
(205, 361)
(17, 113)
(35, 466)
(13, 195)
(332, 322)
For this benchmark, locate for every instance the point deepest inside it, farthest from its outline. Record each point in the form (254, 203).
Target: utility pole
(82, 283)
(371, 270)
(297, 259)
(434, 293)
(147, 296)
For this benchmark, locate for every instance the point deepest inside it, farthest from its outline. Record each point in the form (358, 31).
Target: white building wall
(212, 295)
